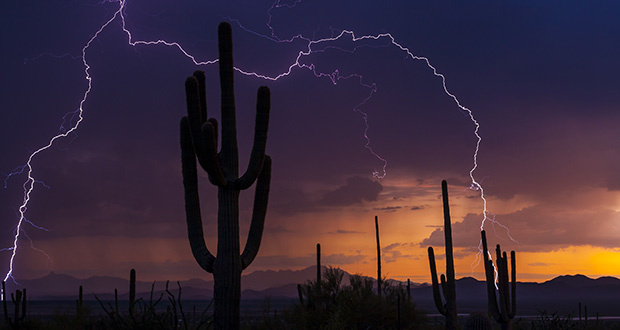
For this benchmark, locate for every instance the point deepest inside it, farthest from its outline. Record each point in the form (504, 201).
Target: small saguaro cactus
(199, 140)
(19, 307)
(448, 282)
(505, 312)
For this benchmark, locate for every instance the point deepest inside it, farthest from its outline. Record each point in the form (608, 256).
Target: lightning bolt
(72, 120)
(28, 185)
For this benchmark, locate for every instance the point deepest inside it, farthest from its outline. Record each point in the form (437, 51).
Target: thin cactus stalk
(507, 308)
(199, 140)
(378, 257)
(408, 289)
(318, 265)
(132, 291)
(116, 301)
(448, 282)
(80, 302)
(319, 281)
(300, 293)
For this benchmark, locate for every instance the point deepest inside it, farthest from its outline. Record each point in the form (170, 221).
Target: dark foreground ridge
(561, 294)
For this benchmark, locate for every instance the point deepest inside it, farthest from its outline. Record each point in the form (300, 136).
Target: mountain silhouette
(561, 294)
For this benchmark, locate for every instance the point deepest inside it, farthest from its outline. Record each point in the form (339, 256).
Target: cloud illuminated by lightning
(72, 120)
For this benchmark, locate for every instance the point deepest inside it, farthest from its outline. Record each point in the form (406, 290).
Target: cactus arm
(513, 262)
(213, 122)
(202, 94)
(229, 153)
(204, 140)
(444, 287)
(213, 165)
(490, 279)
(192, 204)
(192, 98)
(260, 139)
(261, 198)
(436, 294)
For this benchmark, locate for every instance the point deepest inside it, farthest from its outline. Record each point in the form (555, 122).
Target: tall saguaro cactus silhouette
(448, 282)
(199, 140)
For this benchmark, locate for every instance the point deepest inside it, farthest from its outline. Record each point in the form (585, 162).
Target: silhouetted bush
(332, 305)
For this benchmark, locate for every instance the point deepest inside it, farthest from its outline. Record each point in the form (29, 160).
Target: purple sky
(542, 80)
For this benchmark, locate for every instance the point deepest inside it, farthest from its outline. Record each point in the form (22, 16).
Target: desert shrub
(331, 305)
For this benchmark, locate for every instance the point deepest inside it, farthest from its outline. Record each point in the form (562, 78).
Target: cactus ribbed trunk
(199, 141)
(227, 266)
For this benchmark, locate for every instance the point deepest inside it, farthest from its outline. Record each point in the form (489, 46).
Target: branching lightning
(30, 180)
(72, 120)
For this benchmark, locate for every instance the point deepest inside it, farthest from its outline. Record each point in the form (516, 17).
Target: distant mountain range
(561, 294)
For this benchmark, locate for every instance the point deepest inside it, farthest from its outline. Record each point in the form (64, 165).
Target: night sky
(540, 77)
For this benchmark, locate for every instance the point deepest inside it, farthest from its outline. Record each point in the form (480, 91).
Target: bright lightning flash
(312, 46)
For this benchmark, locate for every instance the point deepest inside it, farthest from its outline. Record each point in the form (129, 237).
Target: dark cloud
(278, 230)
(388, 209)
(357, 190)
(393, 252)
(540, 264)
(341, 231)
(291, 200)
(288, 201)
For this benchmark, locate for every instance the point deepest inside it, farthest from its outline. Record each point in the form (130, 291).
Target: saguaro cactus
(199, 140)
(448, 310)
(19, 307)
(505, 312)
